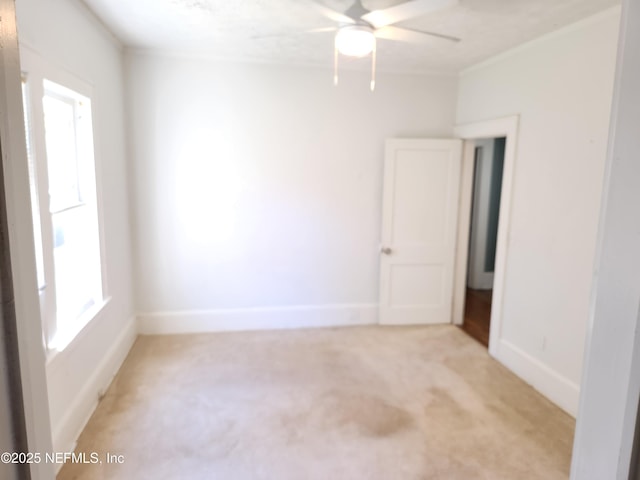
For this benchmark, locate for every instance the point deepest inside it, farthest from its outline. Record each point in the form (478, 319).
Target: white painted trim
(35, 64)
(213, 58)
(38, 70)
(500, 127)
(610, 12)
(464, 230)
(560, 390)
(65, 434)
(608, 415)
(82, 325)
(165, 323)
(21, 245)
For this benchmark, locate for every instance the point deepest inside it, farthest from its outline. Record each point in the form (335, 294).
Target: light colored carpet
(356, 403)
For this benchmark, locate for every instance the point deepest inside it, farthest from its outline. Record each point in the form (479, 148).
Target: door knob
(386, 250)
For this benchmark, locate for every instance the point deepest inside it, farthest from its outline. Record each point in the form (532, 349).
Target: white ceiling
(226, 29)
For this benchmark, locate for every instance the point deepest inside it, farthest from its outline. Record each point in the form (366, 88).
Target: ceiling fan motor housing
(355, 40)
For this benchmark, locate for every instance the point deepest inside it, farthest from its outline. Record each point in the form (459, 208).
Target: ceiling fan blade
(293, 34)
(331, 13)
(413, 36)
(405, 11)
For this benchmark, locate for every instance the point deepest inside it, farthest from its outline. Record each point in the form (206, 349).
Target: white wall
(67, 37)
(607, 423)
(257, 188)
(561, 87)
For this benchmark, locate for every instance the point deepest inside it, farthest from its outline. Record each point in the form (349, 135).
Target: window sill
(65, 339)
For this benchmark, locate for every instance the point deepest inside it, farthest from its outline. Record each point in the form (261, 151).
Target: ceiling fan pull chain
(335, 65)
(373, 67)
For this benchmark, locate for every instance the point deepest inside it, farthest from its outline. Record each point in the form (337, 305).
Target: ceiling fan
(358, 28)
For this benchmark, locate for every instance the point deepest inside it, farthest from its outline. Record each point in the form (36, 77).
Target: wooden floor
(477, 314)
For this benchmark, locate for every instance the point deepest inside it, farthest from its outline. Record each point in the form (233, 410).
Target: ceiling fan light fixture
(355, 40)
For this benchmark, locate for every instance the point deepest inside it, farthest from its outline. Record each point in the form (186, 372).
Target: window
(63, 183)
(33, 187)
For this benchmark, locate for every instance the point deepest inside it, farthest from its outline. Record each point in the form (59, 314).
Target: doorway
(488, 167)
(13, 430)
(507, 128)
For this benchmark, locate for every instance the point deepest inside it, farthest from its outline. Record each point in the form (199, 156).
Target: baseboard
(560, 390)
(65, 434)
(257, 319)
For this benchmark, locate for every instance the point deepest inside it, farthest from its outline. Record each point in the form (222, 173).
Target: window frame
(37, 72)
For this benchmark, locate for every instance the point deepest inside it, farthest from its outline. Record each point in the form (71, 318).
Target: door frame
(607, 419)
(21, 246)
(500, 127)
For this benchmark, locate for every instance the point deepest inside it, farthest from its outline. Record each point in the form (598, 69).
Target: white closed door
(419, 222)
